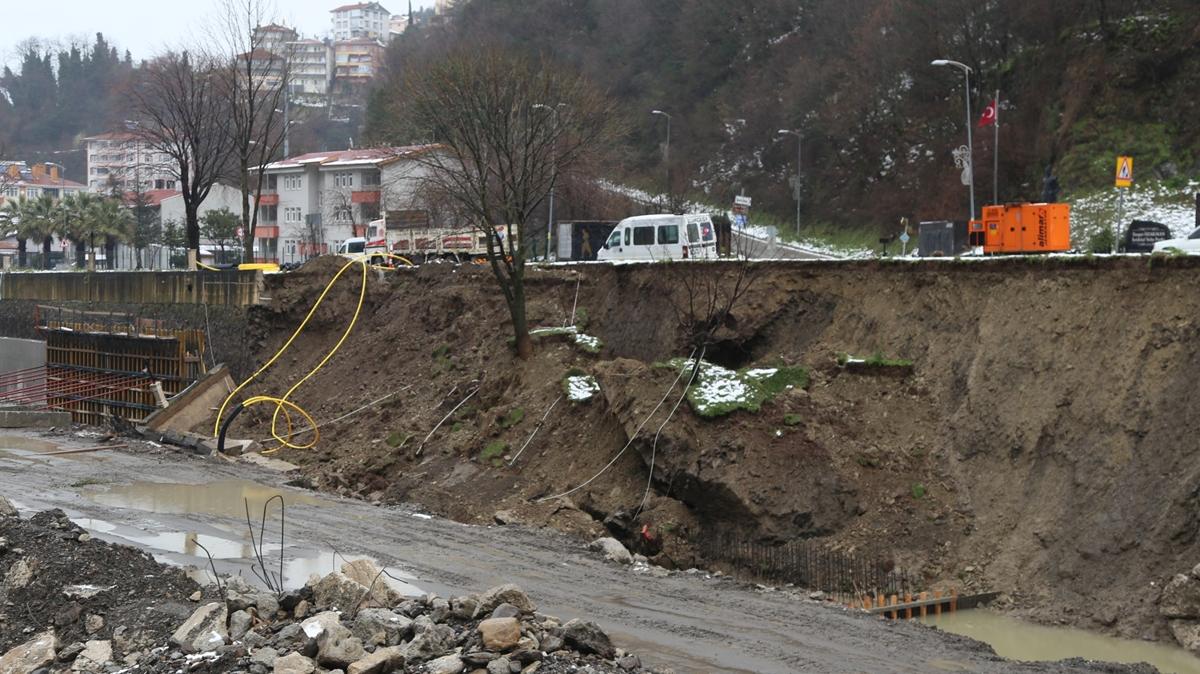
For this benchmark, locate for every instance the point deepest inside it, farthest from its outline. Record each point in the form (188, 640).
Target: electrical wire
(284, 406)
(654, 445)
(627, 444)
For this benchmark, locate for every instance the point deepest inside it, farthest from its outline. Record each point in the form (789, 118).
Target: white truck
(422, 243)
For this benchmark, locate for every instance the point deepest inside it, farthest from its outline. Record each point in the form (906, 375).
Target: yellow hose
(283, 404)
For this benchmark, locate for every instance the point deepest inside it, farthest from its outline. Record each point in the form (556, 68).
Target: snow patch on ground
(1174, 207)
(581, 388)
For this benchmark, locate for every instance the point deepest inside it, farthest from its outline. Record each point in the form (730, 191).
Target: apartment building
(356, 62)
(274, 38)
(362, 20)
(312, 70)
(19, 180)
(315, 201)
(122, 161)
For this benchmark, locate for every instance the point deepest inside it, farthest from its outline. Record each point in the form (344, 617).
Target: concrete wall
(19, 354)
(195, 405)
(236, 288)
(221, 196)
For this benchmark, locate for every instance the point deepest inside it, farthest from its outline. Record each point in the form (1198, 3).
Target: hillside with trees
(1081, 81)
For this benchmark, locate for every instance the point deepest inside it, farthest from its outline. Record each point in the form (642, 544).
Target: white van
(662, 237)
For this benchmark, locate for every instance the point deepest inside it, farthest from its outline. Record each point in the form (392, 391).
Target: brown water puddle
(21, 448)
(1019, 640)
(225, 499)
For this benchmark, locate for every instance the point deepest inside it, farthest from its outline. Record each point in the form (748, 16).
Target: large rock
(1180, 598)
(7, 509)
(204, 630)
(337, 590)
(37, 652)
(381, 627)
(294, 663)
(381, 661)
(431, 641)
(450, 664)
(1187, 633)
(19, 574)
(239, 623)
(612, 549)
(587, 637)
(365, 573)
(500, 634)
(503, 594)
(336, 645)
(94, 656)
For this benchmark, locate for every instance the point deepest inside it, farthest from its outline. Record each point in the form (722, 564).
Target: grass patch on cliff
(718, 391)
(492, 452)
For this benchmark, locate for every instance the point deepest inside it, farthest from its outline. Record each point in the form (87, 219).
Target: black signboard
(1141, 235)
(941, 238)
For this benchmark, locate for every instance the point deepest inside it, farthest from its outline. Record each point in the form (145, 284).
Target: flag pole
(996, 152)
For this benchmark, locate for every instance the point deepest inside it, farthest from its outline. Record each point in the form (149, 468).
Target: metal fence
(810, 564)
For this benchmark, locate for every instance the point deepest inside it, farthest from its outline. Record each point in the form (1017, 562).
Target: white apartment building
(312, 70)
(315, 201)
(19, 180)
(361, 20)
(122, 160)
(274, 38)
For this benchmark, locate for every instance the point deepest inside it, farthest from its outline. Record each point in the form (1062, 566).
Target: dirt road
(689, 622)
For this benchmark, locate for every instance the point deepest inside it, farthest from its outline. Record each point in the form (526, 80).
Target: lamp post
(799, 142)
(970, 147)
(666, 152)
(553, 170)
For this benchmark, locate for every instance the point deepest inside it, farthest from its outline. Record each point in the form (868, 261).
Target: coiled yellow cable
(282, 404)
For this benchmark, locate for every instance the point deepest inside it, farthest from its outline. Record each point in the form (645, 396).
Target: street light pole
(970, 146)
(666, 152)
(796, 187)
(553, 171)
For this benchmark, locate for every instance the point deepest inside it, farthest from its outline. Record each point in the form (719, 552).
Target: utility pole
(970, 141)
(666, 152)
(553, 172)
(796, 187)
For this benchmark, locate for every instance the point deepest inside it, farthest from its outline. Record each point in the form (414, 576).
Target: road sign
(904, 237)
(1124, 171)
(741, 200)
(739, 220)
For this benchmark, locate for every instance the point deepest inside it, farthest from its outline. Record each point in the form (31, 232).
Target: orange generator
(1022, 228)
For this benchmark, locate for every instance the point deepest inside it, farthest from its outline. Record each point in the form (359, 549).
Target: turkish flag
(988, 117)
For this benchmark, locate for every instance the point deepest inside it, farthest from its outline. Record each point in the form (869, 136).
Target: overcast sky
(146, 26)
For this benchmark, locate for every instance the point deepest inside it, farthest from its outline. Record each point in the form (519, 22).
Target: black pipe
(225, 426)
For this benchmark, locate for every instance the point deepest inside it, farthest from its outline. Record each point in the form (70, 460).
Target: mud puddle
(21, 448)
(223, 499)
(176, 532)
(1020, 640)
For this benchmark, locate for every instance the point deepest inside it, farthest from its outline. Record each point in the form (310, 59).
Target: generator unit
(1022, 228)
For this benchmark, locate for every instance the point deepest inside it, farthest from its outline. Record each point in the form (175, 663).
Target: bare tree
(181, 115)
(255, 93)
(505, 140)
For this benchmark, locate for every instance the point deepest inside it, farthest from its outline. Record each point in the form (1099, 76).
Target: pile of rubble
(349, 621)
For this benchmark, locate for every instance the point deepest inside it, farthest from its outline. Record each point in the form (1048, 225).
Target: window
(614, 239)
(693, 233)
(626, 236)
(1195, 234)
(369, 211)
(343, 179)
(292, 214)
(343, 214)
(292, 182)
(269, 213)
(272, 182)
(371, 178)
(668, 234)
(643, 236)
(31, 193)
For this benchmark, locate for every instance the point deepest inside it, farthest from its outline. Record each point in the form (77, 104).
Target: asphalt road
(688, 622)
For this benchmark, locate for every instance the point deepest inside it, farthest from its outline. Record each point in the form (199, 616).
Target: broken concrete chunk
(204, 631)
(33, 654)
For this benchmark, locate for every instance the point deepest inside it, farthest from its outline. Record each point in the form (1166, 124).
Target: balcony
(266, 232)
(268, 200)
(365, 197)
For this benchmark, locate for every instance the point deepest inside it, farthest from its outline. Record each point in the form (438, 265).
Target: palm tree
(77, 223)
(9, 222)
(36, 219)
(112, 219)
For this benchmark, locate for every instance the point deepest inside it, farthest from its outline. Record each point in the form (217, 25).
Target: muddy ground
(1041, 446)
(690, 622)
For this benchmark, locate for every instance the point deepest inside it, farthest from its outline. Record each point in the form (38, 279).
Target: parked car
(662, 237)
(1189, 245)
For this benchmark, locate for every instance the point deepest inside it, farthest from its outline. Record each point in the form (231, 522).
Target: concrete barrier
(22, 418)
(232, 287)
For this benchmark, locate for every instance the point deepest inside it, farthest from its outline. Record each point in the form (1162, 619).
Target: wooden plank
(963, 602)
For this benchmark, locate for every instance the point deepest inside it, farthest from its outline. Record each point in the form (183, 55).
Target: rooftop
(361, 5)
(154, 198)
(359, 157)
(114, 135)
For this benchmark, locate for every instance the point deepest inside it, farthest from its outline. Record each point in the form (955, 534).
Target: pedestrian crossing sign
(1124, 171)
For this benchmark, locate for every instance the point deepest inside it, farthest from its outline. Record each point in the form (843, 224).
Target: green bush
(493, 452)
(1102, 241)
(513, 418)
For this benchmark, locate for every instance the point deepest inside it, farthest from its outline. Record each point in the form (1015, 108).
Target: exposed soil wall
(1043, 445)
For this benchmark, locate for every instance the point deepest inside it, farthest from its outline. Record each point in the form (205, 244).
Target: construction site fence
(811, 564)
(224, 287)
